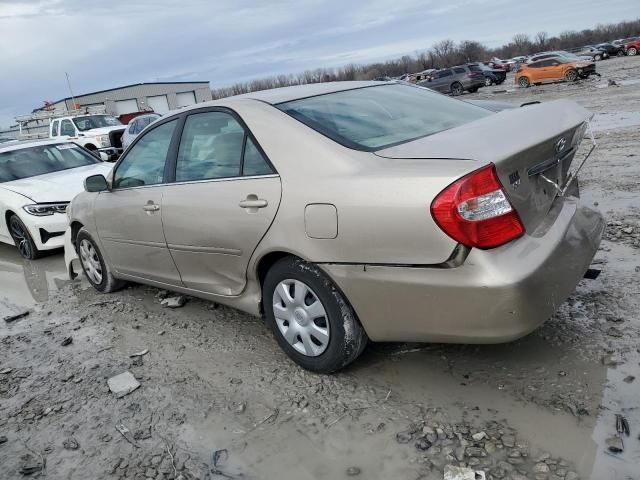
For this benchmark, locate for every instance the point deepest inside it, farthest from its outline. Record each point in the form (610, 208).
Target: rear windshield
(42, 159)
(474, 68)
(373, 118)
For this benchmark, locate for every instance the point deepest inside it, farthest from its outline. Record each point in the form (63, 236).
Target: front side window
(42, 159)
(144, 163)
(445, 73)
(211, 147)
(66, 128)
(373, 118)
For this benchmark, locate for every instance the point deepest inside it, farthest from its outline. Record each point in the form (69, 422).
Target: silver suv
(454, 80)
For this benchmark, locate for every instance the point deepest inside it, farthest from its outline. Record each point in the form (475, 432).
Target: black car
(492, 76)
(611, 49)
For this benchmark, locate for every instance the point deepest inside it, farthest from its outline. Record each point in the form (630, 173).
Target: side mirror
(96, 183)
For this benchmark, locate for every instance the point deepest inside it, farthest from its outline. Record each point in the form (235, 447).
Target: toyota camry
(351, 211)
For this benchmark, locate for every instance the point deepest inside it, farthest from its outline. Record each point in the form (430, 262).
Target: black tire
(347, 338)
(523, 82)
(23, 239)
(473, 90)
(488, 82)
(571, 75)
(632, 51)
(108, 283)
(457, 89)
(620, 53)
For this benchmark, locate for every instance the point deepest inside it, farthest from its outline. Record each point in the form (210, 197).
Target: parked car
(553, 70)
(632, 47)
(501, 65)
(455, 80)
(349, 211)
(611, 49)
(622, 41)
(37, 181)
(98, 133)
(492, 76)
(593, 53)
(136, 126)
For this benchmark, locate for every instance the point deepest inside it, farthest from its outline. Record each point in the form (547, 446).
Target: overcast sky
(103, 44)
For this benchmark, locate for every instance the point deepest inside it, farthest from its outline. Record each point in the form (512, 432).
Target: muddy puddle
(24, 283)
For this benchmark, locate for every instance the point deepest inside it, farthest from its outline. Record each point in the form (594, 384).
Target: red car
(502, 66)
(632, 47)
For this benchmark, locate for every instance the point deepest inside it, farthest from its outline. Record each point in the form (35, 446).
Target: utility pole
(73, 100)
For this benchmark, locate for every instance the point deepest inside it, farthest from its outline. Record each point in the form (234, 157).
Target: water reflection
(24, 283)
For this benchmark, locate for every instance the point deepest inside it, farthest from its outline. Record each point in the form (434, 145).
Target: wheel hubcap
(301, 317)
(90, 261)
(20, 238)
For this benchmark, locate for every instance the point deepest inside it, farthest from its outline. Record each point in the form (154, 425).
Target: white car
(135, 126)
(37, 181)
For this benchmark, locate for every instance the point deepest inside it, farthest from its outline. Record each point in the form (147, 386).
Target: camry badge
(561, 144)
(514, 180)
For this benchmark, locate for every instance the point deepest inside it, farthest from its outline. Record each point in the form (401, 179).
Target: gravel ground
(218, 399)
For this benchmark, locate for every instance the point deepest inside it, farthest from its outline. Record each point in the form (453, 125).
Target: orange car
(553, 70)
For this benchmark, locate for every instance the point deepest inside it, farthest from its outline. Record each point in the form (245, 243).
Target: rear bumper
(495, 296)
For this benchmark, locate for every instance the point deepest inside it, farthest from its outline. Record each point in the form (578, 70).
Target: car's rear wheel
(23, 239)
(457, 89)
(632, 51)
(571, 75)
(310, 318)
(597, 58)
(523, 82)
(488, 82)
(95, 268)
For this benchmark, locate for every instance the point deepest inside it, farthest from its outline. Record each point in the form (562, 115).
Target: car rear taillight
(476, 212)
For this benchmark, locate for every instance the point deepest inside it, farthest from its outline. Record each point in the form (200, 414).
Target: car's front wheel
(95, 268)
(632, 51)
(457, 89)
(488, 82)
(597, 58)
(22, 239)
(523, 82)
(571, 75)
(310, 318)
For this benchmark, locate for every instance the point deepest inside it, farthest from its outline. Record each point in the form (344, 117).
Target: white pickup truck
(99, 133)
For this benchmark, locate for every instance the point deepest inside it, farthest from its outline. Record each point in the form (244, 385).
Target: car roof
(297, 92)
(29, 143)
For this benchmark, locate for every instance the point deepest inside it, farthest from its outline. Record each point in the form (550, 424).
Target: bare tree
(541, 40)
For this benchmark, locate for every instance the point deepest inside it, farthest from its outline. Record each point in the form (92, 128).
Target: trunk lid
(530, 147)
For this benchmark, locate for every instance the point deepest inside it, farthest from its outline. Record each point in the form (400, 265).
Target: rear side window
(144, 163)
(211, 147)
(254, 163)
(373, 118)
(459, 70)
(445, 73)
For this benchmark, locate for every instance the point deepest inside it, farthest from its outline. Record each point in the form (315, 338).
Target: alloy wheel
(487, 82)
(20, 237)
(301, 317)
(90, 261)
(632, 51)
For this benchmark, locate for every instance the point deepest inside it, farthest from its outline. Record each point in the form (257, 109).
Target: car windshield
(42, 159)
(95, 121)
(373, 118)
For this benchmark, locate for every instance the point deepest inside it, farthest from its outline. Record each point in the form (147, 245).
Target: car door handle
(151, 207)
(253, 203)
